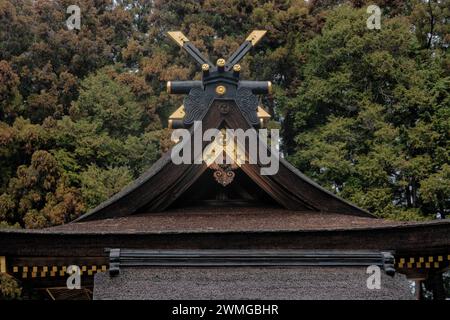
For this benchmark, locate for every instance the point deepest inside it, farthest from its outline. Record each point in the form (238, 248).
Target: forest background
(365, 113)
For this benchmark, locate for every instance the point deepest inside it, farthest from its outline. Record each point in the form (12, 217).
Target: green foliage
(55, 188)
(370, 119)
(39, 195)
(9, 288)
(109, 104)
(9, 94)
(97, 184)
(436, 188)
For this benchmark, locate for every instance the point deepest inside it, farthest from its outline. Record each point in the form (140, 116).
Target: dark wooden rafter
(165, 182)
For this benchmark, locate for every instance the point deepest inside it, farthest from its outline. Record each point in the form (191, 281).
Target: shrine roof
(230, 227)
(225, 219)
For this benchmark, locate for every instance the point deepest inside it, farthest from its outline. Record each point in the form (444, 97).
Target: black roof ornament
(220, 81)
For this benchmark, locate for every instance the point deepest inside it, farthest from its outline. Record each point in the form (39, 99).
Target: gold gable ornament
(176, 118)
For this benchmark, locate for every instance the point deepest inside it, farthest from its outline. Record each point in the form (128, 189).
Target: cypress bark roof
(309, 283)
(227, 219)
(158, 188)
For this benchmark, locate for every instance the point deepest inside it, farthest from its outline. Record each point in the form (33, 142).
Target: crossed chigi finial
(219, 82)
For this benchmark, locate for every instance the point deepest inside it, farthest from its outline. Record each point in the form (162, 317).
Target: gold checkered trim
(423, 262)
(54, 271)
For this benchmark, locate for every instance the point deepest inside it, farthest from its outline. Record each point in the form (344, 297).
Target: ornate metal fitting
(224, 173)
(220, 90)
(223, 108)
(178, 37)
(256, 36)
(220, 62)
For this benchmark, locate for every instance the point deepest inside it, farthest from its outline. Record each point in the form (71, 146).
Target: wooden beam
(406, 240)
(2, 264)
